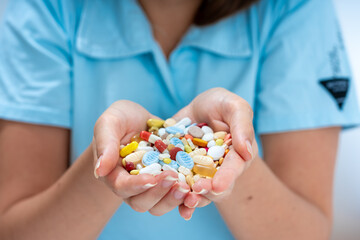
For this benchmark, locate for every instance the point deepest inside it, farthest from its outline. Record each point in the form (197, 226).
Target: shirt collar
(127, 32)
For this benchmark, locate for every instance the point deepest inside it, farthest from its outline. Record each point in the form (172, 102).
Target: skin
(285, 196)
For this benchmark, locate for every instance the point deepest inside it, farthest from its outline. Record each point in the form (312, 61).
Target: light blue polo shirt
(62, 63)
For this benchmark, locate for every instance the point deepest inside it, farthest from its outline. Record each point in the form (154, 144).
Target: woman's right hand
(156, 194)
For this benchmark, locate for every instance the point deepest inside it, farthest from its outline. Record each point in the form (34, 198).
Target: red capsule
(173, 152)
(200, 125)
(160, 145)
(129, 166)
(145, 135)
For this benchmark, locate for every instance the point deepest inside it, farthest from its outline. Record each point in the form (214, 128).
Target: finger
(126, 185)
(238, 114)
(186, 212)
(108, 132)
(232, 167)
(148, 199)
(171, 200)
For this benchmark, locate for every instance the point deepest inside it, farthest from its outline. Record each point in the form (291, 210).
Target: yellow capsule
(129, 149)
(219, 142)
(167, 160)
(221, 160)
(155, 123)
(207, 171)
(200, 142)
(134, 172)
(123, 162)
(187, 149)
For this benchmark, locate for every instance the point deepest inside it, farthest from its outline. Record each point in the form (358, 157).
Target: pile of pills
(192, 150)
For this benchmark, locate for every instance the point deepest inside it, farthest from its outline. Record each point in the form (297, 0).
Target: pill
(221, 160)
(139, 166)
(169, 136)
(187, 149)
(191, 144)
(188, 136)
(150, 158)
(143, 144)
(190, 180)
(216, 152)
(196, 132)
(207, 129)
(220, 134)
(199, 142)
(147, 136)
(181, 177)
(129, 149)
(203, 160)
(135, 157)
(174, 151)
(200, 125)
(161, 132)
(185, 170)
(184, 141)
(180, 146)
(123, 162)
(129, 166)
(160, 145)
(183, 159)
(174, 130)
(185, 121)
(200, 151)
(208, 137)
(167, 167)
(167, 160)
(164, 136)
(155, 123)
(163, 156)
(207, 171)
(136, 138)
(176, 141)
(169, 122)
(211, 143)
(153, 169)
(146, 149)
(134, 172)
(226, 152)
(170, 146)
(219, 142)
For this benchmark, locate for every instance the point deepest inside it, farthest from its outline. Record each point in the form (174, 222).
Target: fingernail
(168, 181)
(197, 203)
(216, 194)
(180, 193)
(97, 166)
(203, 191)
(249, 149)
(149, 185)
(187, 219)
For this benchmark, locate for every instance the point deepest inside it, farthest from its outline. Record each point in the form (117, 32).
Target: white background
(347, 178)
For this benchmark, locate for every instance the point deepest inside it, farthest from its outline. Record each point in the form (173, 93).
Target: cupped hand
(223, 111)
(156, 194)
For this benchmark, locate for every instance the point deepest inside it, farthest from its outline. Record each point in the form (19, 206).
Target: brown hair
(211, 11)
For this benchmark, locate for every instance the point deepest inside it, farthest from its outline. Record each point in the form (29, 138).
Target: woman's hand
(223, 111)
(156, 194)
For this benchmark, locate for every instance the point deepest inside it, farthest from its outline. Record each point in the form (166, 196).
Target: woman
(63, 63)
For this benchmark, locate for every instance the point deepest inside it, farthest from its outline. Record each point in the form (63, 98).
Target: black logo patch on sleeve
(338, 88)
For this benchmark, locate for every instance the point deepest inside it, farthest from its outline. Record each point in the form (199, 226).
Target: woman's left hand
(222, 111)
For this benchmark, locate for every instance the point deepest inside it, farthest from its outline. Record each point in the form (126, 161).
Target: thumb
(106, 144)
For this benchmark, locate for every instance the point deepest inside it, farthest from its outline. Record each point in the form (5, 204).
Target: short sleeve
(304, 78)
(35, 64)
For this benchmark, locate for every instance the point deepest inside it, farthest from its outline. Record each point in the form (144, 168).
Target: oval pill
(207, 171)
(150, 158)
(216, 152)
(208, 137)
(174, 130)
(199, 142)
(169, 122)
(207, 129)
(155, 123)
(134, 172)
(196, 132)
(183, 159)
(203, 160)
